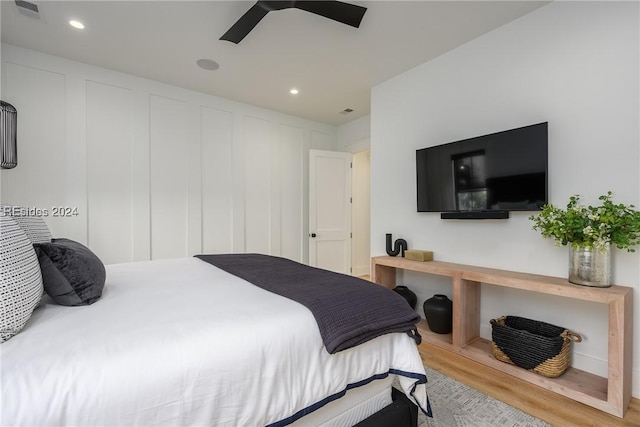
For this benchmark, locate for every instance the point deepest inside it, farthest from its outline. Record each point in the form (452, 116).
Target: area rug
(457, 405)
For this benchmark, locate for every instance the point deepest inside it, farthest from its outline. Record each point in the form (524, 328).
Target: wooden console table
(611, 394)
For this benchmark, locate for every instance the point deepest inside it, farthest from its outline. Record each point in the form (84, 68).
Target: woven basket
(536, 346)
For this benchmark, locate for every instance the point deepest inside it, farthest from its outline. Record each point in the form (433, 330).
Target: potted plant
(590, 231)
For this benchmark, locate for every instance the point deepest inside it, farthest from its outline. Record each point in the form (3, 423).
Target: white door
(330, 210)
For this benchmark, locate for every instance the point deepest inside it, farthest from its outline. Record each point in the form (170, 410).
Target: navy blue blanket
(349, 311)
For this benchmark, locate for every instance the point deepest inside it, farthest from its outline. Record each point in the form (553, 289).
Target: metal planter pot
(590, 267)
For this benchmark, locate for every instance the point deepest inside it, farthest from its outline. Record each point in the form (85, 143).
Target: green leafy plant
(590, 226)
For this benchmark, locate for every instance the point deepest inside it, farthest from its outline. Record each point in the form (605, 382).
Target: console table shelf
(611, 394)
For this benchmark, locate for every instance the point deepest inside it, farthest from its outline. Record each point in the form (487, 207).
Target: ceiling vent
(28, 9)
(346, 111)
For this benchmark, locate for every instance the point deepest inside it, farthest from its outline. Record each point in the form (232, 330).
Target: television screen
(503, 171)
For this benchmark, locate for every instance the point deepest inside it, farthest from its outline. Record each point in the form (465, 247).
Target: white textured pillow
(35, 227)
(20, 278)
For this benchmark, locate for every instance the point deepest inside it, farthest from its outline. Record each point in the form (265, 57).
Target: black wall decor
(399, 246)
(8, 144)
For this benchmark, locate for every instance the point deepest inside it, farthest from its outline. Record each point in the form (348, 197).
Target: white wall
(156, 171)
(355, 135)
(573, 64)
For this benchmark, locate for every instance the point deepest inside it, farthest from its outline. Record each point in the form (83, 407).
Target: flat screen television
(486, 176)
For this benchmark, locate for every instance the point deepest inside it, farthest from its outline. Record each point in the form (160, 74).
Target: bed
(183, 342)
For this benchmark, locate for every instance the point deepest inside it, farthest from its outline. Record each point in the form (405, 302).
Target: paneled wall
(156, 171)
(42, 172)
(216, 165)
(109, 154)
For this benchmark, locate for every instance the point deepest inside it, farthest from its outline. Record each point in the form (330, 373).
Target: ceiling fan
(346, 13)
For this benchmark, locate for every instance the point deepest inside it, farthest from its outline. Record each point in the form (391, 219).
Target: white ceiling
(333, 65)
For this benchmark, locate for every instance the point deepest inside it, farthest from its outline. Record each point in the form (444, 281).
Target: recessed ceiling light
(207, 64)
(293, 91)
(76, 24)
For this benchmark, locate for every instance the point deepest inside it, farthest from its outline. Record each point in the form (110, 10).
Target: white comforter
(180, 342)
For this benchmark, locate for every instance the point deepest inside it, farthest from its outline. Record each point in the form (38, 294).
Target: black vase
(439, 313)
(407, 294)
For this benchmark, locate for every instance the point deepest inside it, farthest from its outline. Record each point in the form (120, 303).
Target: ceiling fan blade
(245, 24)
(346, 13)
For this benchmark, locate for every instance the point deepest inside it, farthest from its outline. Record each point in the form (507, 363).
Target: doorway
(361, 214)
(340, 211)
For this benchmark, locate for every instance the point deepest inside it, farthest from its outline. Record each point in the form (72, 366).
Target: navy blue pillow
(71, 273)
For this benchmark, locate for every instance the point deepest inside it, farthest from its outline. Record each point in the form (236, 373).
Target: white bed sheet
(356, 405)
(180, 342)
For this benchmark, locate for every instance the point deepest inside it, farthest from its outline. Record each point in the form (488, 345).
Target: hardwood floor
(550, 407)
